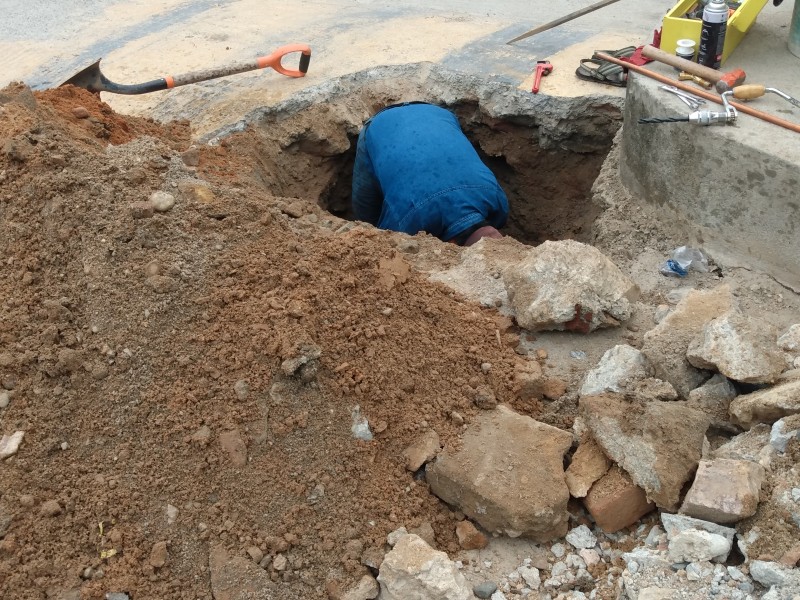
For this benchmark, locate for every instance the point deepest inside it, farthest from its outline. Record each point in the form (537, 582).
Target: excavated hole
(549, 190)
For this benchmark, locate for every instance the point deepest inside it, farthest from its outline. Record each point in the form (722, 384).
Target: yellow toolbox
(676, 27)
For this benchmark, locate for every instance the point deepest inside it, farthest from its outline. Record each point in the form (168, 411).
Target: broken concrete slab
(751, 445)
(619, 368)
(724, 490)
(567, 285)
(237, 578)
(714, 399)
(615, 502)
(500, 451)
(589, 463)
(766, 406)
(666, 344)
(658, 443)
(413, 570)
(738, 347)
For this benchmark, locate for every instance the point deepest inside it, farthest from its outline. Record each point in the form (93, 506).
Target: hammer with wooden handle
(723, 81)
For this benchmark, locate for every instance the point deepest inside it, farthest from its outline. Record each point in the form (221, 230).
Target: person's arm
(367, 195)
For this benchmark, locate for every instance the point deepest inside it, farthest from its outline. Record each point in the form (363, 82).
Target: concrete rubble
(413, 570)
(666, 345)
(724, 490)
(738, 348)
(766, 406)
(504, 450)
(620, 367)
(659, 446)
(567, 285)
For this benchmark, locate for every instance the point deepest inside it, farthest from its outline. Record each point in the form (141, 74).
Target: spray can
(712, 35)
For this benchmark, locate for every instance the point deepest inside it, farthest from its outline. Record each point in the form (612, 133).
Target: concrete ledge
(735, 188)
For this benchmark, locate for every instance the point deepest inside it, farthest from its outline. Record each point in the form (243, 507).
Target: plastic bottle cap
(685, 43)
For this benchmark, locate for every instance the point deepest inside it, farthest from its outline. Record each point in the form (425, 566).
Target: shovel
(92, 78)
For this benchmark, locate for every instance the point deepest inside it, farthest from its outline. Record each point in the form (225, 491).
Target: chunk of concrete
(739, 348)
(766, 406)
(695, 545)
(413, 570)
(714, 398)
(753, 445)
(658, 443)
(503, 451)
(665, 345)
(783, 432)
(422, 450)
(567, 285)
(619, 368)
(770, 574)
(615, 502)
(677, 524)
(724, 490)
(366, 588)
(237, 578)
(589, 463)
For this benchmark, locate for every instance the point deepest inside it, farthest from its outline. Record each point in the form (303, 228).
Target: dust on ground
(192, 376)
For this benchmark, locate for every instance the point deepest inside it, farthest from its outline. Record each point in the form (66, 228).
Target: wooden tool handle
(749, 91)
(706, 73)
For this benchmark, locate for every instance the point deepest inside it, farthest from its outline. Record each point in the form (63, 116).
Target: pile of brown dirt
(150, 362)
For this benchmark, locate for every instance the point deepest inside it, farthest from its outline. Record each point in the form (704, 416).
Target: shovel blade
(90, 78)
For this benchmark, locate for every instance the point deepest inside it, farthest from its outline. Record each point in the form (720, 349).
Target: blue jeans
(416, 171)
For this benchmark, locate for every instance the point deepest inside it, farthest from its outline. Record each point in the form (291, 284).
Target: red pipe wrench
(543, 68)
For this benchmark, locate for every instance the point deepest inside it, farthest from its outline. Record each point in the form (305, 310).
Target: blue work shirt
(415, 170)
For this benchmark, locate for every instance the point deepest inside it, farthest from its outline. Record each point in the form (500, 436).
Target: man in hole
(415, 170)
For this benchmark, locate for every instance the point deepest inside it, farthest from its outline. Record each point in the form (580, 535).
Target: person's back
(416, 171)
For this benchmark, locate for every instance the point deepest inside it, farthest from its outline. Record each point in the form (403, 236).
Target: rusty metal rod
(702, 93)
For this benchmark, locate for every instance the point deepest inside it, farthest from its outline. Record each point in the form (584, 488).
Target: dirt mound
(191, 376)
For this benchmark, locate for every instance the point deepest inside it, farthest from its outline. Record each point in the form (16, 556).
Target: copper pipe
(702, 93)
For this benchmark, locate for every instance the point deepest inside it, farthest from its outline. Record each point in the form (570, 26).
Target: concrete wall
(735, 187)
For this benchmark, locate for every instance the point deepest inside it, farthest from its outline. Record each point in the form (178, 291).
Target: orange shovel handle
(274, 60)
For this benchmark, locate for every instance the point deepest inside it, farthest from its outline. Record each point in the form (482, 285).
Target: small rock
(294, 210)
(233, 445)
(109, 596)
(161, 284)
(280, 562)
(484, 590)
(469, 538)
(769, 573)
(5, 399)
(426, 532)
(486, 367)
(51, 508)
(791, 557)
(366, 589)
(9, 444)
(485, 398)
(172, 514)
(394, 536)
(699, 571)
(531, 576)
(581, 537)
(590, 556)
(202, 435)
(781, 434)
(558, 550)
(422, 450)
(255, 553)
(141, 210)
(162, 201)
(695, 545)
(242, 389)
(158, 555)
(553, 388)
(191, 157)
(80, 112)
